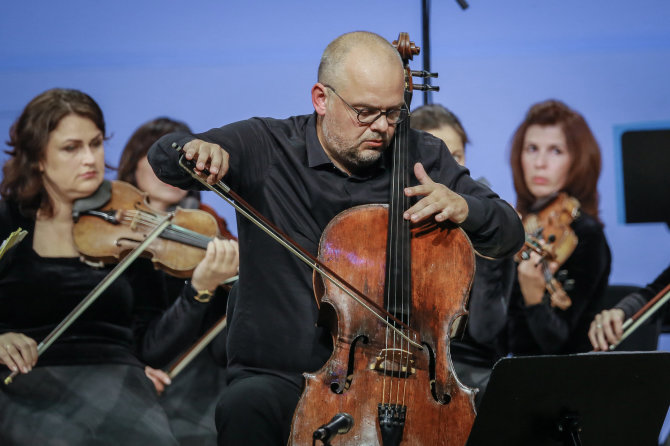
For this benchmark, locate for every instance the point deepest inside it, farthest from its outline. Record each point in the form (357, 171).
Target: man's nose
(380, 124)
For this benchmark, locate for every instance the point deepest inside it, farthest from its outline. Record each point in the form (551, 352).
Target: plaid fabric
(190, 401)
(88, 405)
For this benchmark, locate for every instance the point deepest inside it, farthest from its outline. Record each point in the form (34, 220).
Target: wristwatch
(203, 296)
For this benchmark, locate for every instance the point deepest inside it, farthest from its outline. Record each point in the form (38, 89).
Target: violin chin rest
(98, 199)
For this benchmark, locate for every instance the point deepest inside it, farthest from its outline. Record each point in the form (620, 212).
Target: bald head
(354, 52)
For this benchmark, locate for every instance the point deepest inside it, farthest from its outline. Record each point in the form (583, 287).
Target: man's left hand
(438, 200)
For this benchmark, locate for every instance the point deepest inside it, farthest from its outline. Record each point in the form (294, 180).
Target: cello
(396, 393)
(422, 369)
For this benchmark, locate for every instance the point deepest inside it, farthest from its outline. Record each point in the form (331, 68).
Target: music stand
(614, 399)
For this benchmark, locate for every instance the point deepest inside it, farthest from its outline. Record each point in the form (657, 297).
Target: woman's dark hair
(582, 179)
(139, 143)
(29, 135)
(434, 116)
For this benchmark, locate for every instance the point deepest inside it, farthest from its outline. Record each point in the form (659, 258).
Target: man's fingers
(208, 156)
(421, 175)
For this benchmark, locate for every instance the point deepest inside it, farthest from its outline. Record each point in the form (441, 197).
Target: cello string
(406, 246)
(399, 252)
(390, 298)
(400, 246)
(387, 290)
(397, 239)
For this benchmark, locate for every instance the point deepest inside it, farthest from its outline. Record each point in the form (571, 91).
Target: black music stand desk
(591, 399)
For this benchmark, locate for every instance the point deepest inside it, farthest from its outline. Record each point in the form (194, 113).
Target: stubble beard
(348, 153)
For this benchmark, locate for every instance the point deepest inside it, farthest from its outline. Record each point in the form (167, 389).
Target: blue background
(212, 62)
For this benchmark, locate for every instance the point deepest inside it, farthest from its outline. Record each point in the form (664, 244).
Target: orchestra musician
(477, 349)
(553, 150)
(607, 327)
(300, 172)
(89, 386)
(189, 400)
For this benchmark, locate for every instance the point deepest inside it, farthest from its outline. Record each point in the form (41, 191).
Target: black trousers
(256, 409)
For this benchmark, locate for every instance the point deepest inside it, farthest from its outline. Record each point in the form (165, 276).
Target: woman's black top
(127, 324)
(542, 329)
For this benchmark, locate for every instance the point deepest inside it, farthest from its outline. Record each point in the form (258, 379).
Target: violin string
(150, 221)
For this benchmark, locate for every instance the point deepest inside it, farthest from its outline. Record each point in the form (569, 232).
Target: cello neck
(397, 292)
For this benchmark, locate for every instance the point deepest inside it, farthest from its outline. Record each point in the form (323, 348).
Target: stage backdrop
(213, 62)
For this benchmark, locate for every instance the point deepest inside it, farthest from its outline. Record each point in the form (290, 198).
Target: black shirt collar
(317, 157)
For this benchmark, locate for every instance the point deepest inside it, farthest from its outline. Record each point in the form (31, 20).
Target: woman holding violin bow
(564, 267)
(90, 385)
(609, 326)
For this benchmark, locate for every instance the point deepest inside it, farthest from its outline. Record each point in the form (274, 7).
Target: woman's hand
(606, 328)
(18, 352)
(158, 377)
(531, 278)
(221, 262)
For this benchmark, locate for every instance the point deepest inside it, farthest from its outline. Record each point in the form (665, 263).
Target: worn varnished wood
(354, 246)
(98, 240)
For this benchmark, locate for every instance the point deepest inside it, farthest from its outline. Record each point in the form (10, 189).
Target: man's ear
(319, 98)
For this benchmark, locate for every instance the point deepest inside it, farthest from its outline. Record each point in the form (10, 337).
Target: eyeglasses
(369, 115)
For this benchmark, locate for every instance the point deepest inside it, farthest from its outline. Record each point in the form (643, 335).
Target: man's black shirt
(280, 168)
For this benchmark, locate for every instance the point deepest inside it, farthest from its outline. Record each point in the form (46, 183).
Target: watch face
(203, 296)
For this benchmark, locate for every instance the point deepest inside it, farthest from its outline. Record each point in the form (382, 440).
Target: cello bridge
(394, 362)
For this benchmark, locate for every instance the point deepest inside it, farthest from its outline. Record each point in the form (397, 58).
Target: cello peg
(423, 73)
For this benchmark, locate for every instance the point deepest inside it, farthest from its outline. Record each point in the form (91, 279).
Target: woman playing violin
(607, 327)
(190, 399)
(553, 150)
(89, 386)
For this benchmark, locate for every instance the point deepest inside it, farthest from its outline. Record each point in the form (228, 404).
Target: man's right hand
(208, 156)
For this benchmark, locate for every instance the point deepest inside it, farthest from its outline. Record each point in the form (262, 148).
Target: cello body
(372, 367)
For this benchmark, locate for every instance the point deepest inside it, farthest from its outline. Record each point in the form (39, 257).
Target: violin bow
(232, 198)
(644, 313)
(98, 290)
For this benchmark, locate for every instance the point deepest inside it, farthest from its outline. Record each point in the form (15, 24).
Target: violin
(116, 225)
(118, 217)
(548, 233)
